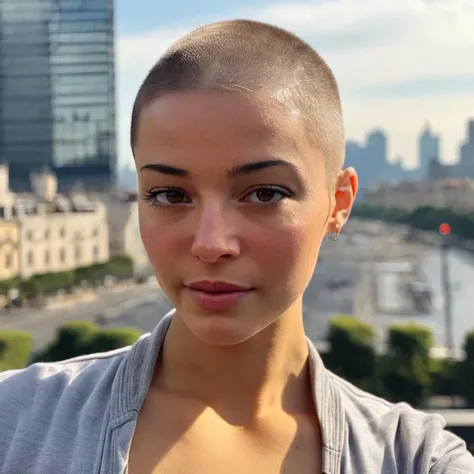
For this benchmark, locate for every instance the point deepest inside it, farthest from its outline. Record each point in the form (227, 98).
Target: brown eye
(166, 197)
(265, 195)
(175, 197)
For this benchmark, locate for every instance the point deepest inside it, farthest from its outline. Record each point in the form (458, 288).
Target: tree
(77, 338)
(467, 369)
(15, 349)
(73, 339)
(352, 355)
(109, 339)
(405, 370)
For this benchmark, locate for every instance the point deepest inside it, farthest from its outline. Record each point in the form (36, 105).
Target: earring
(335, 235)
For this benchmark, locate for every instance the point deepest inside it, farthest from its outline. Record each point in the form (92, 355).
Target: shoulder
(53, 379)
(413, 440)
(48, 397)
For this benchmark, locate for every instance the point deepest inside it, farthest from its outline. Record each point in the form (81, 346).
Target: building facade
(9, 249)
(124, 229)
(457, 194)
(57, 91)
(43, 232)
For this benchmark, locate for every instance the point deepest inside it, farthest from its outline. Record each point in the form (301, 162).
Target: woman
(238, 138)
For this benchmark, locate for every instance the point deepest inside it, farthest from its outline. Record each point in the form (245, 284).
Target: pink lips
(216, 295)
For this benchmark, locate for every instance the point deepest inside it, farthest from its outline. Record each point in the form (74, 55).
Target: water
(461, 269)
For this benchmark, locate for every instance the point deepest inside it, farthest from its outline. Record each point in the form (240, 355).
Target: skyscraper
(467, 148)
(57, 91)
(428, 148)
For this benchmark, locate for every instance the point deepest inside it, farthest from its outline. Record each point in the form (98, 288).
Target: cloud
(379, 50)
(420, 86)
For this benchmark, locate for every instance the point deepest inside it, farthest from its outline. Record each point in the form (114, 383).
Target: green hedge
(424, 218)
(73, 339)
(78, 338)
(467, 369)
(352, 354)
(15, 349)
(405, 372)
(120, 267)
(109, 339)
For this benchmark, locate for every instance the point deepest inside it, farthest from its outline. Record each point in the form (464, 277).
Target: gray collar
(135, 374)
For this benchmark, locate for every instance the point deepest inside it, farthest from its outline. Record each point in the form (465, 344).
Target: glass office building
(57, 91)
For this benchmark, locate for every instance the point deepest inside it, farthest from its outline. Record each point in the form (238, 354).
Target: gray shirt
(79, 415)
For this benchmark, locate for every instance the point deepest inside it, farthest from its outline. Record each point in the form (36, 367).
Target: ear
(345, 191)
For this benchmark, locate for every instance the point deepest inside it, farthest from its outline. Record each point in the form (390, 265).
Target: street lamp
(445, 231)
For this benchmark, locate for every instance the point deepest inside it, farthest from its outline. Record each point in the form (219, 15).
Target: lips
(216, 287)
(216, 295)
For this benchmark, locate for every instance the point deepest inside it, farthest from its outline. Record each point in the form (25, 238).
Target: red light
(444, 229)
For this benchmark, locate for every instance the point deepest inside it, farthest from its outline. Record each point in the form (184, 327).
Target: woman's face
(231, 193)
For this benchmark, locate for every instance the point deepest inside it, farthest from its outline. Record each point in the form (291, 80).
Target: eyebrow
(235, 171)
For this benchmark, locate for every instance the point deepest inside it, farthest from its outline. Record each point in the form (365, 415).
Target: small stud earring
(335, 235)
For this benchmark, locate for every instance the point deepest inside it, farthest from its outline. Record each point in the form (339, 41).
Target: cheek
(292, 249)
(157, 239)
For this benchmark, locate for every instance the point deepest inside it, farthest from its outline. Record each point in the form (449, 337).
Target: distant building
(466, 152)
(57, 91)
(9, 249)
(437, 171)
(124, 229)
(428, 149)
(457, 194)
(127, 179)
(376, 148)
(371, 160)
(48, 232)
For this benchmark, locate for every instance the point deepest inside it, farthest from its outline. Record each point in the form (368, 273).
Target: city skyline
(399, 63)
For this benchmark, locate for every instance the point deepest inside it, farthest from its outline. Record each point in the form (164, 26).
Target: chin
(220, 329)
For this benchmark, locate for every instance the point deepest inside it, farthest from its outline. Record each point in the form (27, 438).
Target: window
(47, 234)
(78, 254)
(62, 255)
(31, 258)
(46, 257)
(8, 260)
(96, 252)
(62, 232)
(29, 235)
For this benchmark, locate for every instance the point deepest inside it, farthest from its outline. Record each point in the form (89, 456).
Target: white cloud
(366, 43)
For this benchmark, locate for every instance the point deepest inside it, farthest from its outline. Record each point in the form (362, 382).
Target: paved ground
(42, 323)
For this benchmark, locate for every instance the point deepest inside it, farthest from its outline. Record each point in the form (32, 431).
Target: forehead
(222, 125)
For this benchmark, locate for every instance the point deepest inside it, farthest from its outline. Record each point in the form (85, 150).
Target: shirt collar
(136, 372)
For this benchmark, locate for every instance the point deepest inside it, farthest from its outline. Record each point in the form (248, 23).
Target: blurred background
(389, 306)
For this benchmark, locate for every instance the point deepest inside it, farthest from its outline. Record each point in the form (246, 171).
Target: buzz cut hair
(253, 57)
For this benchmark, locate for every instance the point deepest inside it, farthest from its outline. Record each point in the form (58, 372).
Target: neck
(267, 373)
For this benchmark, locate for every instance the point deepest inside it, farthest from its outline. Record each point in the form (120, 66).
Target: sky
(399, 63)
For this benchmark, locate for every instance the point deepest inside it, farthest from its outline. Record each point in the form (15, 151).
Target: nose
(215, 238)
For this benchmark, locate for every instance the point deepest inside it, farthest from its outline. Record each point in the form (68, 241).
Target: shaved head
(251, 57)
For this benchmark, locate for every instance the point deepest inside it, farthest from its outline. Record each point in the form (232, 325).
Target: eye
(267, 195)
(166, 197)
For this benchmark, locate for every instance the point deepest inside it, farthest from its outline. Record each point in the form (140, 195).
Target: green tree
(15, 348)
(73, 339)
(467, 369)
(109, 339)
(352, 354)
(405, 370)
(77, 338)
